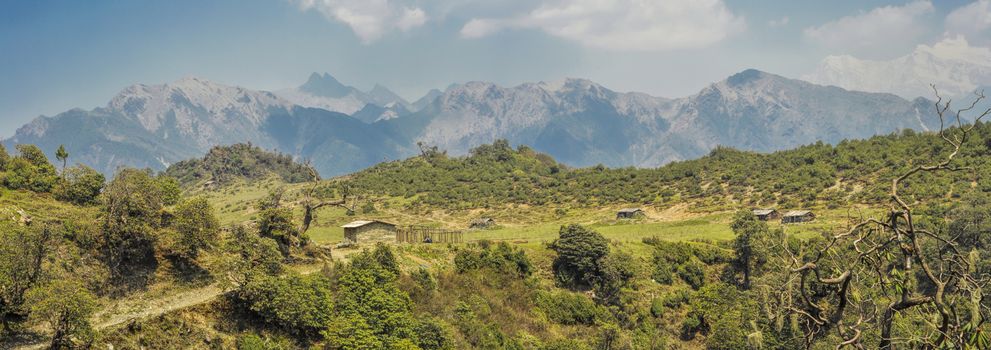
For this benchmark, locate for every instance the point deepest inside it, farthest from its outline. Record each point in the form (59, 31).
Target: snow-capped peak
(956, 67)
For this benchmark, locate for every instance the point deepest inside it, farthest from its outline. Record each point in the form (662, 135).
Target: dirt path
(140, 306)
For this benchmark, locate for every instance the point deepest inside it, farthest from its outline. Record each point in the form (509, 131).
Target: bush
(252, 341)
(569, 308)
(579, 254)
(197, 228)
(66, 306)
(30, 171)
(693, 273)
(663, 272)
(300, 305)
(503, 259)
(81, 185)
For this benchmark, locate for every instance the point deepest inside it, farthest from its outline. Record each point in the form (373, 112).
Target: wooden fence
(421, 234)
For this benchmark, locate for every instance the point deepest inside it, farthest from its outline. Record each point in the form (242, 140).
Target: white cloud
(972, 20)
(369, 19)
(878, 31)
(637, 25)
(477, 28)
(781, 22)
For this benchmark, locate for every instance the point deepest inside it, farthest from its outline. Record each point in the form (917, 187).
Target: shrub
(693, 273)
(300, 305)
(81, 185)
(568, 308)
(579, 255)
(503, 259)
(252, 341)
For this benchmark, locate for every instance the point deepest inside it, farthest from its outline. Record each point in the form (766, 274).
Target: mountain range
(341, 129)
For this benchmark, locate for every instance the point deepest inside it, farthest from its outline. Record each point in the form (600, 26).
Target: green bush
(580, 252)
(297, 304)
(503, 258)
(569, 308)
(693, 273)
(81, 185)
(252, 341)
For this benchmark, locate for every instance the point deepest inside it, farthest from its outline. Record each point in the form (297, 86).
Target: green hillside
(819, 174)
(222, 165)
(155, 261)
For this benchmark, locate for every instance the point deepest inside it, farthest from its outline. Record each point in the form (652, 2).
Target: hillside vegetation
(224, 164)
(79, 254)
(496, 175)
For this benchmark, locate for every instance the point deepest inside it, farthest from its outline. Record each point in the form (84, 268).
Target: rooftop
(360, 223)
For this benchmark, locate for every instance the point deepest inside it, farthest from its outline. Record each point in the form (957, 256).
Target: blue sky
(56, 55)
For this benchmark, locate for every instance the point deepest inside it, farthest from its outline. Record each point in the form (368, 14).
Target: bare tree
(349, 201)
(882, 268)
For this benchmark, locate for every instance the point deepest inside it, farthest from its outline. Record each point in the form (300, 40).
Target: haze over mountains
(953, 65)
(341, 129)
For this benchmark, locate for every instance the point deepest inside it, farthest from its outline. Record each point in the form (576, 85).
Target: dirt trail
(139, 307)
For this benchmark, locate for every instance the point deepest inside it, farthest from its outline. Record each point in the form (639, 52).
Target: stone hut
(360, 231)
(767, 214)
(796, 216)
(629, 213)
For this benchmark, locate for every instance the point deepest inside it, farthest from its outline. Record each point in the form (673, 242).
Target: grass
(527, 226)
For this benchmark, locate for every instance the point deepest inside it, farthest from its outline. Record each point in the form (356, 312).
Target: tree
(299, 304)
(4, 157)
(80, 185)
(32, 154)
(131, 220)
(62, 155)
(65, 305)
(370, 307)
(169, 189)
(749, 244)
(579, 253)
(197, 228)
(245, 256)
(30, 170)
(275, 222)
(896, 266)
(23, 251)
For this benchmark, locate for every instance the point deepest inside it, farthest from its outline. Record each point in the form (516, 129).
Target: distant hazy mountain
(156, 125)
(576, 121)
(326, 92)
(582, 123)
(427, 99)
(952, 64)
(373, 113)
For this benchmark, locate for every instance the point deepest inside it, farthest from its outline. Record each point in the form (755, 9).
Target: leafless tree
(882, 268)
(349, 201)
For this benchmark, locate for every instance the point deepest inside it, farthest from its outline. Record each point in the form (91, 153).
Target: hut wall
(373, 232)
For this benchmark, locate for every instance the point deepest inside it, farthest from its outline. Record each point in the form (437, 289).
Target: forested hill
(816, 174)
(223, 164)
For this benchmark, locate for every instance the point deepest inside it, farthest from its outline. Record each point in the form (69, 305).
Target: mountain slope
(582, 123)
(576, 121)
(758, 111)
(155, 126)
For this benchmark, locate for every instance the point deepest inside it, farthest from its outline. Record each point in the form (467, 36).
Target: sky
(57, 55)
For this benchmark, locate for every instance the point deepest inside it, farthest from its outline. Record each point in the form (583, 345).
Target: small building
(359, 231)
(629, 213)
(767, 214)
(795, 216)
(482, 223)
